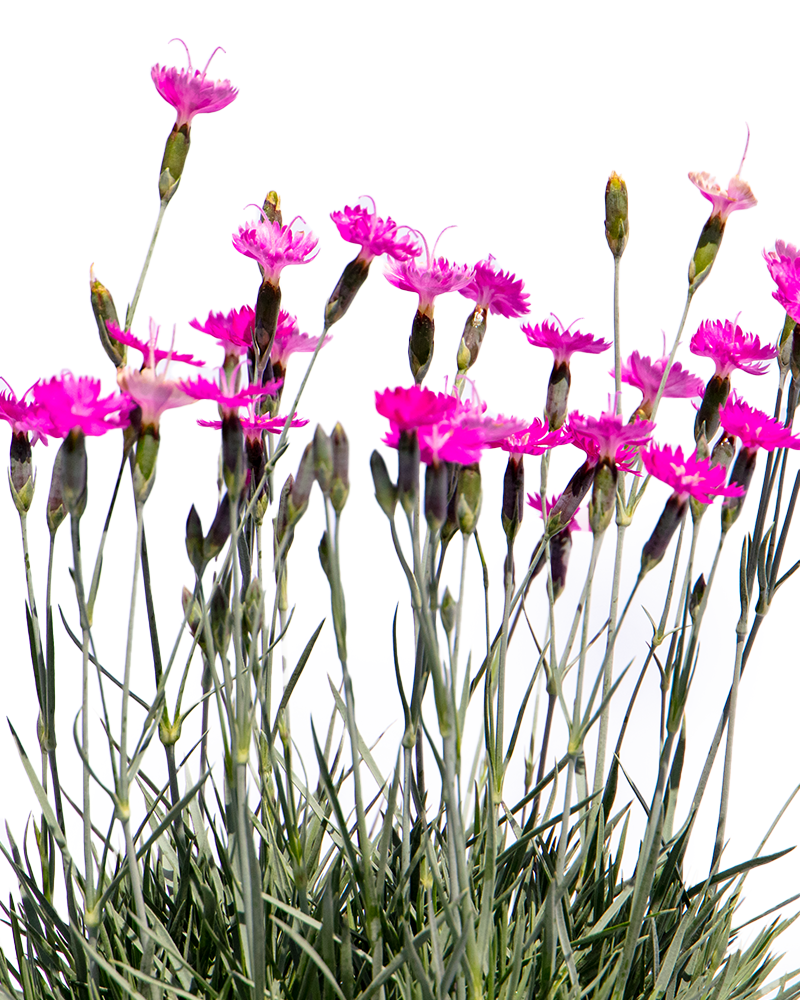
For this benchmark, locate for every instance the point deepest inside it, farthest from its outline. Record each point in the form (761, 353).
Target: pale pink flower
(645, 375)
(188, 90)
(25, 416)
(234, 331)
(688, 476)
(374, 235)
(499, 292)
(75, 403)
(784, 268)
(608, 438)
(274, 246)
(289, 340)
(149, 388)
(435, 277)
(563, 342)
(151, 354)
(536, 439)
(754, 428)
(730, 348)
(738, 195)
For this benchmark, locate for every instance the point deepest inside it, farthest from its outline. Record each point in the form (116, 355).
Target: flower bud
(73, 472)
(297, 501)
(604, 497)
(324, 550)
(353, 277)
(723, 453)
(448, 611)
(323, 460)
(656, 545)
(281, 521)
(513, 496)
(251, 605)
(56, 511)
(175, 153)
(471, 339)
(560, 549)
(468, 497)
(340, 484)
(563, 510)
(268, 307)
(272, 207)
(706, 251)
(706, 422)
(220, 615)
(144, 465)
(385, 490)
(408, 469)
(194, 616)
(169, 732)
(697, 595)
(219, 532)
(616, 214)
(20, 473)
(233, 453)
(420, 345)
(105, 312)
(194, 541)
(436, 483)
(741, 474)
(555, 408)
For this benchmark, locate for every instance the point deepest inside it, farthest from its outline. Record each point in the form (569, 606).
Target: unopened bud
(175, 153)
(104, 313)
(340, 484)
(471, 339)
(468, 497)
(323, 460)
(220, 615)
(656, 545)
(233, 453)
(353, 277)
(741, 474)
(281, 521)
(436, 483)
(604, 497)
(513, 496)
(408, 469)
(194, 541)
(706, 422)
(697, 595)
(555, 409)
(420, 344)
(560, 549)
(564, 509)
(385, 490)
(144, 465)
(56, 511)
(272, 207)
(20, 473)
(706, 251)
(723, 453)
(616, 214)
(73, 472)
(251, 606)
(191, 609)
(448, 611)
(297, 501)
(219, 532)
(324, 550)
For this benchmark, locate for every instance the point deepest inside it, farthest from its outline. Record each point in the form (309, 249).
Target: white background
(504, 123)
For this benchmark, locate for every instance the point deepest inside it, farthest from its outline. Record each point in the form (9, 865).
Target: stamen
(219, 48)
(189, 58)
(746, 146)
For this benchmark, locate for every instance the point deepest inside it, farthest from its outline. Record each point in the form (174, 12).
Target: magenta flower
(225, 392)
(274, 246)
(25, 416)
(645, 375)
(784, 268)
(409, 409)
(75, 404)
(562, 342)
(374, 235)
(608, 438)
(754, 428)
(435, 277)
(289, 341)
(234, 331)
(729, 348)
(689, 476)
(498, 292)
(536, 439)
(254, 425)
(188, 90)
(151, 354)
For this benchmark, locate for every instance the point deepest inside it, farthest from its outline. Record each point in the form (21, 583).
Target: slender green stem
(617, 339)
(501, 668)
(135, 302)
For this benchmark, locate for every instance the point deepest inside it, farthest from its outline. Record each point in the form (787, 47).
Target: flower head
(225, 392)
(188, 90)
(234, 331)
(72, 403)
(738, 195)
(149, 388)
(375, 236)
(607, 437)
(690, 476)
(754, 428)
(499, 292)
(435, 277)
(536, 439)
(150, 353)
(409, 409)
(563, 342)
(729, 348)
(254, 424)
(25, 416)
(274, 246)
(645, 375)
(288, 340)
(784, 268)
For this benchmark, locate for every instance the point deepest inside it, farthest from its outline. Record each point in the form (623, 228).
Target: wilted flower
(188, 90)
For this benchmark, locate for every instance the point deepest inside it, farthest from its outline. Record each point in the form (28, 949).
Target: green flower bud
(56, 511)
(144, 465)
(408, 469)
(194, 541)
(560, 549)
(697, 595)
(340, 484)
(353, 277)
(385, 490)
(175, 153)
(604, 497)
(436, 484)
(21, 479)
(563, 511)
(448, 611)
(513, 496)
(233, 453)
(219, 532)
(471, 339)
(656, 545)
(220, 615)
(323, 460)
(105, 312)
(616, 214)
(741, 474)
(468, 497)
(74, 472)
(706, 252)
(272, 207)
(297, 501)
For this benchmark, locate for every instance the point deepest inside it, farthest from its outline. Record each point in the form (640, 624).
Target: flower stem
(132, 307)
(617, 341)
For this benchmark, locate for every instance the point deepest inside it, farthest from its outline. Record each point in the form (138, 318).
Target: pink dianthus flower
(289, 340)
(608, 438)
(274, 246)
(784, 268)
(645, 375)
(225, 392)
(25, 416)
(499, 292)
(738, 195)
(435, 277)
(75, 403)
(408, 409)
(563, 342)
(375, 236)
(754, 428)
(151, 354)
(730, 348)
(234, 331)
(188, 90)
(534, 440)
(688, 476)
(535, 501)
(254, 424)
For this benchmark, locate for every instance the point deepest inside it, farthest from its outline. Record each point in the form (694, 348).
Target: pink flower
(738, 196)
(234, 332)
(608, 438)
(471, 413)
(534, 440)
(288, 340)
(754, 428)
(150, 389)
(689, 476)
(535, 501)
(645, 375)
(784, 268)
(729, 348)
(188, 90)
(496, 291)
(562, 342)
(408, 409)
(150, 353)
(225, 392)
(435, 277)
(274, 246)
(254, 425)
(375, 236)
(25, 417)
(75, 403)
